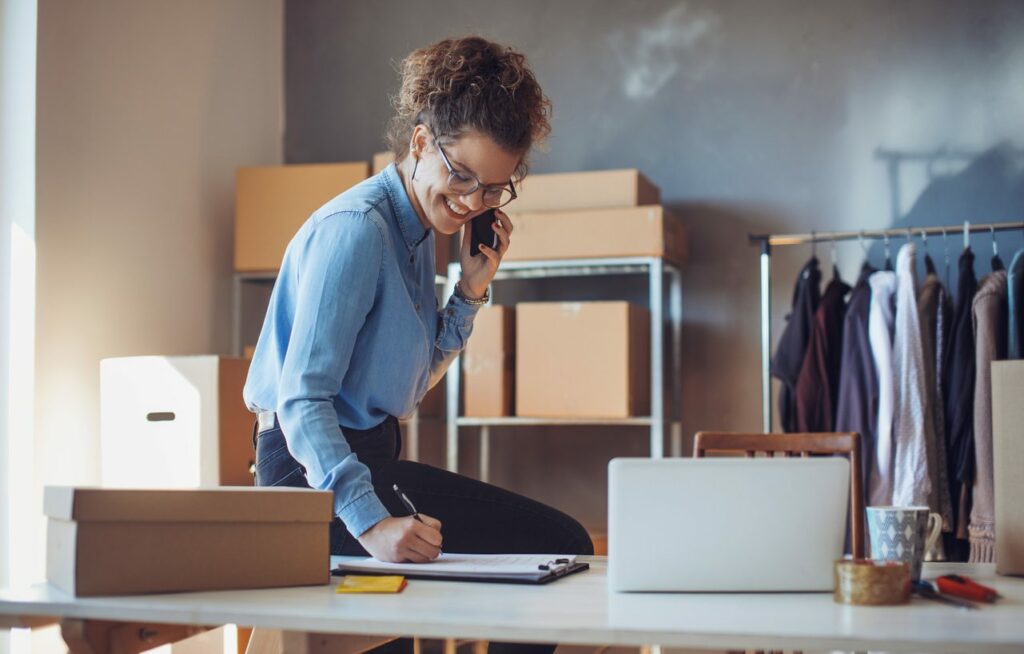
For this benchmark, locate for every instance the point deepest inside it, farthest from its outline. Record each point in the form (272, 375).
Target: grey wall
(750, 116)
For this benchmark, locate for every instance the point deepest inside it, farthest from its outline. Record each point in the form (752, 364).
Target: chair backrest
(789, 445)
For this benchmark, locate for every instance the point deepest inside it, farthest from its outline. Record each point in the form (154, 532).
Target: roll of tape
(864, 582)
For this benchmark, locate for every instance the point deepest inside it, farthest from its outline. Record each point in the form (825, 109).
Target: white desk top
(577, 610)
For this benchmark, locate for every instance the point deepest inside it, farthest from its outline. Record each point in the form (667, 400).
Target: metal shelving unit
(656, 269)
(240, 280)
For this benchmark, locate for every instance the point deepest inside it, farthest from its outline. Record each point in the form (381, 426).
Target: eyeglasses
(460, 183)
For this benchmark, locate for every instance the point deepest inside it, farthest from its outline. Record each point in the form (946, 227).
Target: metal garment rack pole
(766, 241)
(655, 268)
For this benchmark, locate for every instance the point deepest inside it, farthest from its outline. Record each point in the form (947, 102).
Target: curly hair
(470, 83)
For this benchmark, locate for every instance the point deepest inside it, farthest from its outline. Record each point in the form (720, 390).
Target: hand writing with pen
(411, 539)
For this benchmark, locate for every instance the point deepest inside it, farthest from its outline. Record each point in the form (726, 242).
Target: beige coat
(990, 336)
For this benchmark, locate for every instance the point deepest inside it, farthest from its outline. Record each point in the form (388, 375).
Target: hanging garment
(958, 393)
(935, 312)
(990, 326)
(818, 383)
(911, 433)
(789, 355)
(880, 333)
(857, 402)
(1015, 291)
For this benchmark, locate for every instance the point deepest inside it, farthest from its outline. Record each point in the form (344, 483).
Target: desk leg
(275, 641)
(103, 637)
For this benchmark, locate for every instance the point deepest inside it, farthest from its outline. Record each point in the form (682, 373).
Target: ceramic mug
(903, 533)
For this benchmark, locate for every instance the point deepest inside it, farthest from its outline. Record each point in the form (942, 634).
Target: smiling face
(474, 154)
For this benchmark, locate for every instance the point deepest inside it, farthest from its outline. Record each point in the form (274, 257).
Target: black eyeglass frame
(477, 184)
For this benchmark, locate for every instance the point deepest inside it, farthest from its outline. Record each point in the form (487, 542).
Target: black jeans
(476, 517)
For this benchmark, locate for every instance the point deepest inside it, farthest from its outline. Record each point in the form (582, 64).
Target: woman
(354, 336)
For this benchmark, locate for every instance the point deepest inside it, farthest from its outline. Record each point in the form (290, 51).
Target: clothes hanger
(888, 252)
(835, 260)
(997, 263)
(929, 265)
(864, 249)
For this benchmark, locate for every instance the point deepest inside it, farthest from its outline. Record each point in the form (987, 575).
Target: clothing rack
(766, 241)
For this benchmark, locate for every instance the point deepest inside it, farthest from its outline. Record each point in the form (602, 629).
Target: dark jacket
(789, 356)
(817, 386)
(958, 392)
(857, 399)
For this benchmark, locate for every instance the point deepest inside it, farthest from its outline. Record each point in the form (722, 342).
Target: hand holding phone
(482, 231)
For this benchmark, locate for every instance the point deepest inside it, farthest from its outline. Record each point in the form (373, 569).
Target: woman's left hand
(477, 272)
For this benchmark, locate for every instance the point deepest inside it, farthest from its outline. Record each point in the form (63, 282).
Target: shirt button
(417, 306)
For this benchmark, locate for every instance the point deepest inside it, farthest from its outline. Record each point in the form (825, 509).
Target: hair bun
(470, 83)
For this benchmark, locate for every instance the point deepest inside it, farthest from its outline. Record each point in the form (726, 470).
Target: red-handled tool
(967, 588)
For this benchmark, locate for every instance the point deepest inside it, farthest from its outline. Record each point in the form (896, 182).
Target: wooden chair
(804, 445)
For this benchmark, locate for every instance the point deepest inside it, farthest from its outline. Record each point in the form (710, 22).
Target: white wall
(145, 110)
(17, 227)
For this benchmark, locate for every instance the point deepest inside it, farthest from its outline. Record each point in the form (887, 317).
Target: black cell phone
(482, 232)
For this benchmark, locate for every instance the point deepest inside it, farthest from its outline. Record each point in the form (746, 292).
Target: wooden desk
(575, 610)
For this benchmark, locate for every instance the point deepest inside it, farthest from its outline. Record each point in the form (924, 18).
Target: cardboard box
(488, 363)
(1008, 461)
(648, 231)
(582, 359)
(122, 541)
(174, 422)
(272, 202)
(382, 160)
(599, 189)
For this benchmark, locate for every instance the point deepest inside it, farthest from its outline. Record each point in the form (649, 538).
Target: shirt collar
(409, 223)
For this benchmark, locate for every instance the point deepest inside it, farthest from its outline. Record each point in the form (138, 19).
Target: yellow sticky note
(371, 584)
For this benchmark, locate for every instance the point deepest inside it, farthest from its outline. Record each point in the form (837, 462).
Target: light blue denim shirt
(353, 334)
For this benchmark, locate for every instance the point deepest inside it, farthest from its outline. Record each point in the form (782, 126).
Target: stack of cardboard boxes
(572, 359)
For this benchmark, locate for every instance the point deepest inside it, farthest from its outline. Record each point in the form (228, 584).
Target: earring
(415, 166)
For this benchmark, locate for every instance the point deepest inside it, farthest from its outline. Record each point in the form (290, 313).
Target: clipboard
(483, 568)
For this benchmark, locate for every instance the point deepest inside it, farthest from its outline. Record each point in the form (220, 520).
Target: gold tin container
(864, 582)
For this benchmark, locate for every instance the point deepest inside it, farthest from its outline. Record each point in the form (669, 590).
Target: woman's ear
(420, 140)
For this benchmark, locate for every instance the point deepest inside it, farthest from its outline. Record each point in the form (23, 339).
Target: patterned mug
(903, 533)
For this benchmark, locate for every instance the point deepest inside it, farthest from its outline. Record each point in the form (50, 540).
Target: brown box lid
(585, 190)
(188, 505)
(644, 231)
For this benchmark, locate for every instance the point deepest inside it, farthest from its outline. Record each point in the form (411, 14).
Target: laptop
(726, 524)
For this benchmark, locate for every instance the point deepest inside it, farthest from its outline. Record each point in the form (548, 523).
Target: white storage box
(174, 422)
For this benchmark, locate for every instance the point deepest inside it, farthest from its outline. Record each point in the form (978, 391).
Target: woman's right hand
(400, 540)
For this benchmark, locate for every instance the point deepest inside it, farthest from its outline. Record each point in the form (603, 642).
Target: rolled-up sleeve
(339, 271)
(454, 326)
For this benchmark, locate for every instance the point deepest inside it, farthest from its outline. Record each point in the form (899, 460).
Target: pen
(407, 503)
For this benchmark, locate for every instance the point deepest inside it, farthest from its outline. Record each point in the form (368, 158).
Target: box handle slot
(160, 416)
